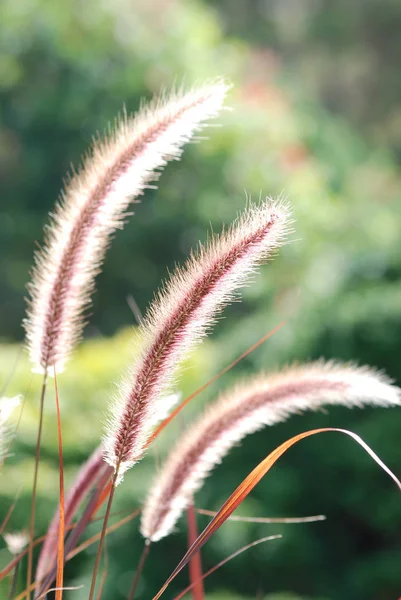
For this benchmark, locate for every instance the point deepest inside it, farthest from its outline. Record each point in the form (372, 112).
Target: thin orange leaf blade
(268, 538)
(247, 485)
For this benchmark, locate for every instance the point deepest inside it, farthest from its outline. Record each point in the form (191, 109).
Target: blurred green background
(316, 117)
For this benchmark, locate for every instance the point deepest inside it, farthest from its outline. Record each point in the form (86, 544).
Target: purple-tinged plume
(180, 317)
(86, 478)
(264, 400)
(94, 205)
(7, 407)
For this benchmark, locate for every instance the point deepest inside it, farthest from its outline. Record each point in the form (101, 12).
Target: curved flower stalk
(94, 205)
(262, 401)
(180, 317)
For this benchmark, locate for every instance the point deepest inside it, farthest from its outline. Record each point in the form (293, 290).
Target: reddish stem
(195, 564)
(35, 483)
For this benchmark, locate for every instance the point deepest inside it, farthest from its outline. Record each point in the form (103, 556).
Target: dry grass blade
(268, 538)
(247, 485)
(267, 520)
(56, 589)
(195, 564)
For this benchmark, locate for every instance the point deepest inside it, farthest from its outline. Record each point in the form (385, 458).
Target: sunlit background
(316, 118)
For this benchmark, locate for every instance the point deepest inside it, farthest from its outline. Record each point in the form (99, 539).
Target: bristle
(181, 316)
(93, 206)
(262, 401)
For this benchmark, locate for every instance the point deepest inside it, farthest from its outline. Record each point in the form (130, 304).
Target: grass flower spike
(179, 318)
(94, 205)
(265, 400)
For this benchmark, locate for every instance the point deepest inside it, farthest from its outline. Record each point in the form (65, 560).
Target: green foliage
(347, 53)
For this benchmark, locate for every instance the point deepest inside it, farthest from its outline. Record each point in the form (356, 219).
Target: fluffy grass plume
(180, 317)
(93, 205)
(16, 541)
(86, 478)
(7, 407)
(262, 401)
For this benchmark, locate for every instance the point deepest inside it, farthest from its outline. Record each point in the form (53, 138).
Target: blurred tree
(346, 53)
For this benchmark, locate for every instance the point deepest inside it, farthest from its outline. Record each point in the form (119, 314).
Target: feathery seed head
(180, 317)
(16, 541)
(7, 407)
(94, 205)
(262, 401)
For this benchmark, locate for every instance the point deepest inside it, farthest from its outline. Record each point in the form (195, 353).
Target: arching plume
(262, 401)
(94, 205)
(180, 317)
